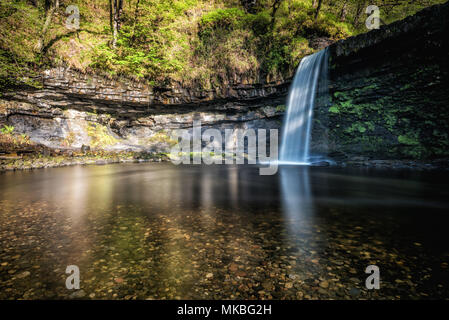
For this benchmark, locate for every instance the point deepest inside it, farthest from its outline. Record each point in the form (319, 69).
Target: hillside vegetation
(206, 43)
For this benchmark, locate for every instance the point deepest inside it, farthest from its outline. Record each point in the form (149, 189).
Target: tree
(318, 8)
(274, 9)
(136, 18)
(115, 12)
(358, 11)
(249, 5)
(343, 12)
(51, 6)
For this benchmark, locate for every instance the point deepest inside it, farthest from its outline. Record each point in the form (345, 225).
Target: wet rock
(322, 291)
(321, 164)
(23, 274)
(354, 292)
(85, 149)
(118, 280)
(241, 273)
(267, 285)
(233, 267)
(78, 294)
(101, 162)
(46, 152)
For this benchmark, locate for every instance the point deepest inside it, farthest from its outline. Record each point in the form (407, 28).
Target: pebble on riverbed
(126, 252)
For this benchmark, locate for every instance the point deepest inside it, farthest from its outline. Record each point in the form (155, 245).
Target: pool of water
(159, 231)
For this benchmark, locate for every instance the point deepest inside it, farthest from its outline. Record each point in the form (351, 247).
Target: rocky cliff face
(73, 109)
(389, 92)
(388, 99)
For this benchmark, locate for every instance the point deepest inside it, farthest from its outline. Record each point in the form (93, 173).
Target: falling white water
(301, 100)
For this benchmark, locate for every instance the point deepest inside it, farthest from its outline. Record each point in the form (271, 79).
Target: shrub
(99, 136)
(7, 129)
(220, 19)
(259, 22)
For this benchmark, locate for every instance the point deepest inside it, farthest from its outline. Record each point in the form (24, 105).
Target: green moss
(281, 108)
(7, 129)
(161, 137)
(386, 126)
(369, 125)
(371, 87)
(390, 121)
(334, 109)
(414, 152)
(99, 136)
(441, 136)
(410, 139)
(356, 127)
(405, 87)
(340, 95)
(69, 139)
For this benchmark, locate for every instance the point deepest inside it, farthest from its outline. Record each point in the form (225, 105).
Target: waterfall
(301, 100)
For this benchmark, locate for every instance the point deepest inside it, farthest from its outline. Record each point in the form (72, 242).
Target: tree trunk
(314, 3)
(136, 17)
(111, 14)
(114, 24)
(318, 9)
(275, 8)
(117, 11)
(52, 7)
(358, 12)
(47, 5)
(343, 12)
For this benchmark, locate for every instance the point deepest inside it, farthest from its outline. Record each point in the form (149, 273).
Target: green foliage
(204, 42)
(409, 139)
(405, 87)
(7, 129)
(356, 127)
(392, 11)
(161, 137)
(15, 71)
(99, 136)
(220, 20)
(259, 22)
(281, 108)
(144, 44)
(334, 109)
(131, 61)
(326, 27)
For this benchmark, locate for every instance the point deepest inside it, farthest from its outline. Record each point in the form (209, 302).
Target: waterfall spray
(301, 100)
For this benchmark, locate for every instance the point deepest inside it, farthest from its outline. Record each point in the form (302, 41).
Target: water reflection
(297, 202)
(76, 194)
(163, 231)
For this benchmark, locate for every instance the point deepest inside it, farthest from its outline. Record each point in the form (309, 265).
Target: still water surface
(159, 231)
